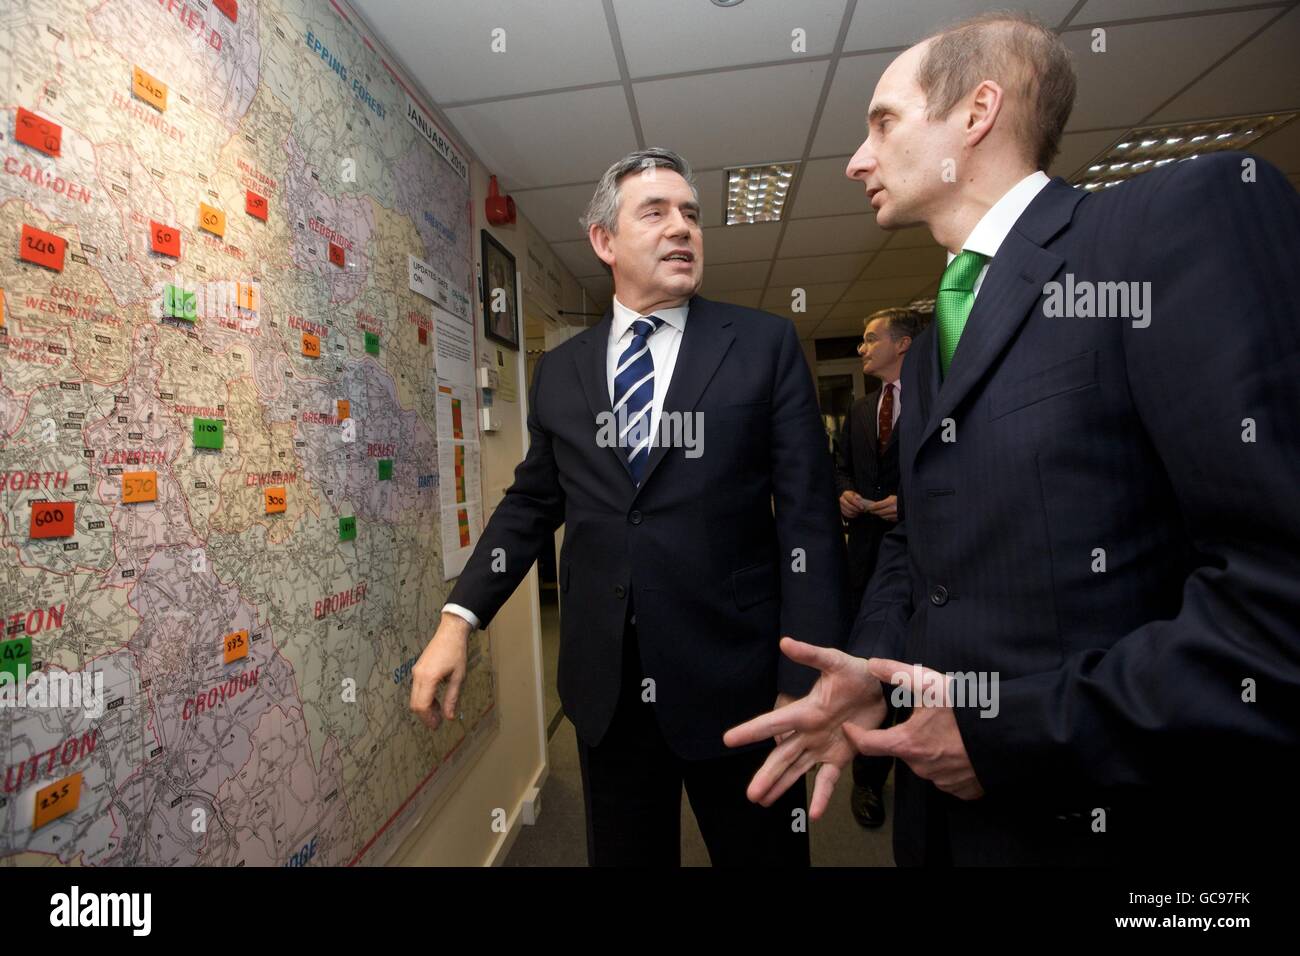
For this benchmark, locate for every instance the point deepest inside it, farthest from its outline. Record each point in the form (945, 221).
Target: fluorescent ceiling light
(757, 193)
(1145, 148)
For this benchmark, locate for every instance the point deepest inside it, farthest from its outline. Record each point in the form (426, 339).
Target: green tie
(953, 302)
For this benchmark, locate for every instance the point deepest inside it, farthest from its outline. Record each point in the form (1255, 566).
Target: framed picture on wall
(500, 294)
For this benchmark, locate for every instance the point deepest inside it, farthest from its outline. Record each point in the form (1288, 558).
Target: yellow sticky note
(275, 501)
(139, 486)
(150, 89)
(246, 296)
(235, 646)
(59, 798)
(213, 220)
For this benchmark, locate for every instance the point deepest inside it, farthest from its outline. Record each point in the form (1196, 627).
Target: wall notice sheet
(461, 498)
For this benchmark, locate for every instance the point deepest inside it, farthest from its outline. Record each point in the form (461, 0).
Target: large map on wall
(219, 492)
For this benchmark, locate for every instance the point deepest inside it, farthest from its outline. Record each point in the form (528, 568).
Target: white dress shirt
(664, 343)
(987, 236)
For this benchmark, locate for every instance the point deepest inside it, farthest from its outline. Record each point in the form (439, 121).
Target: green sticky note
(179, 304)
(372, 343)
(385, 469)
(16, 652)
(209, 433)
(348, 529)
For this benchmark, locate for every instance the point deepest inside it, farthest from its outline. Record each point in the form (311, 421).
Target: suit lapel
(593, 372)
(873, 427)
(1011, 286)
(707, 338)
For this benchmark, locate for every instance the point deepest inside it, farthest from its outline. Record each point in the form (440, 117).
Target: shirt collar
(987, 236)
(624, 317)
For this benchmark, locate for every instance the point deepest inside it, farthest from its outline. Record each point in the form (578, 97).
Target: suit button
(620, 591)
(939, 596)
(634, 517)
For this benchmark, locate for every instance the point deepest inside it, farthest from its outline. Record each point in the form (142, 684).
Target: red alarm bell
(500, 209)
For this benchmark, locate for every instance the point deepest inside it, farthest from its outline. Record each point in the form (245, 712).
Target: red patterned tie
(885, 426)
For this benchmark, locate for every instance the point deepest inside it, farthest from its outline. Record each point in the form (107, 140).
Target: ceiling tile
(835, 327)
(506, 134)
(711, 185)
(1261, 77)
(813, 313)
(1281, 147)
(580, 258)
(900, 290)
(891, 263)
(670, 36)
(810, 270)
(831, 234)
(852, 310)
(741, 243)
(1146, 63)
(886, 23)
(738, 275)
(843, 124)
(450, 51)
(824, 190)
(822, 293)
(747, 116)
(555, 212)
(1078, 149)
(1097, 11)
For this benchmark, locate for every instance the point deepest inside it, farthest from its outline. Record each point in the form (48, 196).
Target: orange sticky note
(139, 486)
(150, 89)
(57, 799)
(345, 409)
(165, 239)
(212, 219)
(311, 345)
(53, 519)
(255, 205)
(275, 501)
(41, 247)
(235, 646)
(336, 254)
(38, 132)
(246, 296)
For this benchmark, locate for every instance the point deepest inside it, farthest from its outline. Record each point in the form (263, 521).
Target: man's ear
(984, 108)
(904, 343)
(600, 243)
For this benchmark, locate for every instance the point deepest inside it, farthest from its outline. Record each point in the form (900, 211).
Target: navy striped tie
(634, 392)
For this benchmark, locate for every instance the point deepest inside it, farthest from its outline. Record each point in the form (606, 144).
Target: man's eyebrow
(878, 111)
(662, 200)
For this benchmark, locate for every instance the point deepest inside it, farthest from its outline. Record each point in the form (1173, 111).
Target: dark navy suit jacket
(720, 554)
(1161, 687)
(860, 466)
